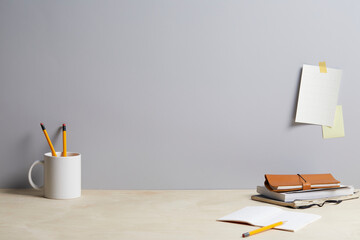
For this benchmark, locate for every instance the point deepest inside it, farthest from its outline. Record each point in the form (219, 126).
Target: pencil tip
(42, 126)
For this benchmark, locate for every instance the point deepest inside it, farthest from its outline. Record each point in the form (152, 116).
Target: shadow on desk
(23, 192)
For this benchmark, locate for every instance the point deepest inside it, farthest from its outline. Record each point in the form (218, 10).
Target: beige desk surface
(170, 214)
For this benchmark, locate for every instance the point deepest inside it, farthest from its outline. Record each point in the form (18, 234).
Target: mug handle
(29, 175)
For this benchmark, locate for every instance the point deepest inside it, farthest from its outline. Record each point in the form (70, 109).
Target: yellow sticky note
(322, 66)
(338, 129)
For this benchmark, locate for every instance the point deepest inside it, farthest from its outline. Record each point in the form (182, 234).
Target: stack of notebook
(303, 190)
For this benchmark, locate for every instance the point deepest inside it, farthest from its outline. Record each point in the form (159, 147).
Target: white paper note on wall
(318, 95)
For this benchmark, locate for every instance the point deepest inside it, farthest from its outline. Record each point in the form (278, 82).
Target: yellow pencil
(48, 140)
(262, 229)
(64, 140)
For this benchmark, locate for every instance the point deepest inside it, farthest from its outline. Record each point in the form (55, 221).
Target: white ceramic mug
(62, 176)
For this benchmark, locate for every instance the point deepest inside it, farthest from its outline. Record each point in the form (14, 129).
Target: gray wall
(174, 94)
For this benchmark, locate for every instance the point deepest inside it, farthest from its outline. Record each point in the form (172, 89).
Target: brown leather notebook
(283, 183)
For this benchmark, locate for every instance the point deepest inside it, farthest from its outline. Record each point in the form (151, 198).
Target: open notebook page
(263, 216)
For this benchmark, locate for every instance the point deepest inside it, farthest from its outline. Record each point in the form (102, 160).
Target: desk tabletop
(160, 214)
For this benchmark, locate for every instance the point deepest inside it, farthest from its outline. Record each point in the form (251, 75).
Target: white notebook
(264, 216)
(306, 194)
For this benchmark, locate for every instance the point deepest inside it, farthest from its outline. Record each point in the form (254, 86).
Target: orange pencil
(48, 140)
(64, 141)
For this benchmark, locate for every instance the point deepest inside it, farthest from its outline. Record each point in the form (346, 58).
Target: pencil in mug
(64, 154)
(48, 140)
